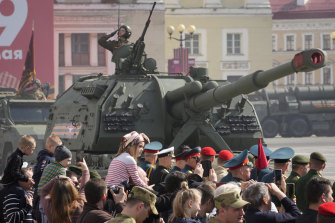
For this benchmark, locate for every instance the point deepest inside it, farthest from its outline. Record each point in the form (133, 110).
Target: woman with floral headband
(124, 167)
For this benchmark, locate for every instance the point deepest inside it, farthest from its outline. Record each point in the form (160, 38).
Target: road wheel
(298, 127)
(8, 149)
(270, 128)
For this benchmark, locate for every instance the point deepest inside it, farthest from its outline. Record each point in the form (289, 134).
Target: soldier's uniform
(297, 160)
(162, 171)
(234, 163)
(301, 184)
(148, 167)
(195, 152)
(281, 155)
(138, 193)
(121, 49)
(255, 173)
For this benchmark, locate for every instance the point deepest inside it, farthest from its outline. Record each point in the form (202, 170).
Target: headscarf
(133, 138)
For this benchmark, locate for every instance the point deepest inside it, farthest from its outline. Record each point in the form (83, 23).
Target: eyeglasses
(197, 158)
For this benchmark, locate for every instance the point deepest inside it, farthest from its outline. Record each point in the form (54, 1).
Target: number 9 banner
(17, 20)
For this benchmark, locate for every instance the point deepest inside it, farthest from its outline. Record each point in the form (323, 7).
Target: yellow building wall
(259, 38)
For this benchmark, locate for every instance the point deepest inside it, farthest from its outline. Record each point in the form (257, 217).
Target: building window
(308, 41)
(290, 80)
(61, 59)
(233, 43)
(274, 43)
(326, 41)
(101, 53)
(326, 75)
(192, 44)
(308, 78)
(290, 43)
(80, 49)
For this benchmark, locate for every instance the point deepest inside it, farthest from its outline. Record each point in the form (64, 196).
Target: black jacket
(13, 172)
(253, 215)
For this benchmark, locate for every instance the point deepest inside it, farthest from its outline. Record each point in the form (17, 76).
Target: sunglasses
(197, 158)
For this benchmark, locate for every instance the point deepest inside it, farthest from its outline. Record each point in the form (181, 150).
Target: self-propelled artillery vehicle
(296, 111)
(96, 111)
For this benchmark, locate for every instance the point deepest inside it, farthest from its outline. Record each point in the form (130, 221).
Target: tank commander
(120, 48)
(33, 91)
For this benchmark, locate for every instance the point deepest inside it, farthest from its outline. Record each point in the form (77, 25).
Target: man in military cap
(120, 48)
(180, 159)
(300, 167)
(240, 168)
(282, 158)
(224, 156)
(317, 163)
(258, 174)
(192, 159)
(165, 163)
(150, 157)
(229, 208)
(139, 205)
(207, 158)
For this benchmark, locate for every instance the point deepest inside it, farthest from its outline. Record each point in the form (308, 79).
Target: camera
(114, 188)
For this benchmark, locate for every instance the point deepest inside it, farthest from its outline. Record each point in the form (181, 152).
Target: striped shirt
(123, 168)
(15, 208)
(51, 171)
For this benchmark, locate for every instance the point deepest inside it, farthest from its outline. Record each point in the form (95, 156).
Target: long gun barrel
(139, 46)
(304, 61)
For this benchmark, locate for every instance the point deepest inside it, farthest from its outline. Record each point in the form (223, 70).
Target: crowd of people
(198, 185)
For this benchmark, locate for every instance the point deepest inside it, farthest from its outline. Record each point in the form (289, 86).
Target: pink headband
(134, 137)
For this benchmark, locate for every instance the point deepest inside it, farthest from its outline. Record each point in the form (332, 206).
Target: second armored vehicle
(17, 118)
(296, 112)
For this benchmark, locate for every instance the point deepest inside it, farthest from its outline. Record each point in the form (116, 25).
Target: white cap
(166, 152)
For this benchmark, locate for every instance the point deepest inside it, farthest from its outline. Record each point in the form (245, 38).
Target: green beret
(75, 169)
(232, 199)
(144, 195)
(318, 156)
(94, 174)
(300, 159)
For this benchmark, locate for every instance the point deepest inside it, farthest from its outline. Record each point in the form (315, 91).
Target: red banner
(17, 20)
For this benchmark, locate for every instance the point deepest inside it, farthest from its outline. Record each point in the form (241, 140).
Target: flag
(262, 162)
(28, 72)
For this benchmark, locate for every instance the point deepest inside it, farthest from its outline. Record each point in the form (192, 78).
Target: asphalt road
(307, 145)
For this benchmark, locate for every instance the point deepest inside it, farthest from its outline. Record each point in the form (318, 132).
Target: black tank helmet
(128, 31)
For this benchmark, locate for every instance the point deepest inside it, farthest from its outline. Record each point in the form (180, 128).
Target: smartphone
(278, 174)
(290, 190)
(79, 158)
(206, 165)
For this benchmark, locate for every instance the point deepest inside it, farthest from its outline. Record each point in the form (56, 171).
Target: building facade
(301, 25)
(232, 38)
(78, 24)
